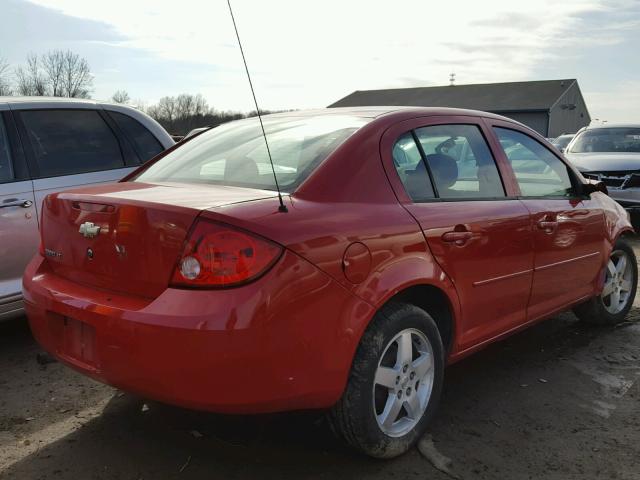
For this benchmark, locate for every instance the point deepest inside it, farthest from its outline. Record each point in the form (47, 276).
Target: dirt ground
(559, 400)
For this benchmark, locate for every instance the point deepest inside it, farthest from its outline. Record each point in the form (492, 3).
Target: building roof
(494, 97)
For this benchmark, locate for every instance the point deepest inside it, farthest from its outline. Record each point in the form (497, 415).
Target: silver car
(562, 141)
(610, 154)
(52, 144)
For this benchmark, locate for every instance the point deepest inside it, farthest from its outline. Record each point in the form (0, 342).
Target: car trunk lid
(127, 237)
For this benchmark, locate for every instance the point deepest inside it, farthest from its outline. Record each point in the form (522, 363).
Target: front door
(568, 229)
(480, 235)
(19, 236)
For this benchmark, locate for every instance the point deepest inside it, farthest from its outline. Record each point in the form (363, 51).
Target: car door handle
(459, 238)
(548, 226)
(14, 202)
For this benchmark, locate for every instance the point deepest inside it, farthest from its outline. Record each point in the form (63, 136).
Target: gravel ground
(559, 400)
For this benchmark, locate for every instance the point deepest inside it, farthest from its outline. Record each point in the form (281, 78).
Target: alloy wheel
(403, 382)
(617, 283)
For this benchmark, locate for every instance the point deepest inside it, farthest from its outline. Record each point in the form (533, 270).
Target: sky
(305, 54)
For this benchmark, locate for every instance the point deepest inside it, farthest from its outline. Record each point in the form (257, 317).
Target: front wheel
(394, 385)
(620, 282)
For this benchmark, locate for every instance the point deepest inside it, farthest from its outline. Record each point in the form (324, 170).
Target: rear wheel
(394, 384)
(616, 299)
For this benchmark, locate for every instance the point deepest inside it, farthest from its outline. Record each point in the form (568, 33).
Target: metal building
(551, 107)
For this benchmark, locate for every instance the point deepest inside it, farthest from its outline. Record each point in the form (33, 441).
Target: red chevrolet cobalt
(410, 238)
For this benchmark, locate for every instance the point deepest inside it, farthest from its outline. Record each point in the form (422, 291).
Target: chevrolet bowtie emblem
(89, 230)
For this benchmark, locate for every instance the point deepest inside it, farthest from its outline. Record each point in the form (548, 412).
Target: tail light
(41, 230)
(216, 255)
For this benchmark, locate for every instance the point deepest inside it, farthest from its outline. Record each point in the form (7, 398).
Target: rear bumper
(284, 342)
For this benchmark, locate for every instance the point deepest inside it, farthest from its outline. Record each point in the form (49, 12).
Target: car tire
(359, 415)
(605, 309)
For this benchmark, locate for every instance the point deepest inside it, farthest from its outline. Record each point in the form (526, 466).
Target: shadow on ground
(527, 407)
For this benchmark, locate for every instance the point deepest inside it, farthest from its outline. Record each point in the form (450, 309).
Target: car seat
(445, 172)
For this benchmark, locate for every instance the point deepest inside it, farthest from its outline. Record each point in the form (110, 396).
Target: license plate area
(78, 344)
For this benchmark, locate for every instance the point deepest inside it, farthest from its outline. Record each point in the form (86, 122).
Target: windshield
(617, 139)
(235, 153)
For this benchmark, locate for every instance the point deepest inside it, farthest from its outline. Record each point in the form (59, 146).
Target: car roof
(614, 125)
(48, 100)
(45, 103)
(397, 111)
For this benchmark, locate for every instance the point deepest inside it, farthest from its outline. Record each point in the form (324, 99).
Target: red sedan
(411, 238)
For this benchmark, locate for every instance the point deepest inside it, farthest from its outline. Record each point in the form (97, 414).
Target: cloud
(618, 103)
(28, 27)
(308, 54)
(510, 20)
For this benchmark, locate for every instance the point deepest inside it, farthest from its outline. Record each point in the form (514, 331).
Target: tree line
(58, 73)
(63, 73)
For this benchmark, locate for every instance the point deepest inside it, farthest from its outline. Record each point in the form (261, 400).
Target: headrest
(444, 169)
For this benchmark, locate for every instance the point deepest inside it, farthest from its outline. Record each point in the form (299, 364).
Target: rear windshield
(235, 153)
(613, 139)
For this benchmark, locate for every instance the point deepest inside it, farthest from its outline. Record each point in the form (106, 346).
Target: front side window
(147, 146)
(6, 169)
(539, 172)
(66, 142)
(460, 162)
(235, 153)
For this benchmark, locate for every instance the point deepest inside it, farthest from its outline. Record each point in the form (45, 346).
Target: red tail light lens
(217, 255)
(41, 232)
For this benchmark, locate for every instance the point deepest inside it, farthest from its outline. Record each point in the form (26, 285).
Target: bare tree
(121, 96)
(138, 103)
(30, 79)
(168, 108)
(184, 112)
(57, 73)
(53, 66)
(77, 79)
(5, 84)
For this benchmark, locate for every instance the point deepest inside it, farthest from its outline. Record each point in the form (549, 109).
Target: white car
(53, 144)
(611, 154)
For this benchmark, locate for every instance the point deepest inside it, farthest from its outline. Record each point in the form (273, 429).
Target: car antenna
(283, 207)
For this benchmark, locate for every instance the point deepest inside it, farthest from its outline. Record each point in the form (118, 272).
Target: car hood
(604, 162)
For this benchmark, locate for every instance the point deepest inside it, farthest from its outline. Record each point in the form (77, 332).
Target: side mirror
(594, 186)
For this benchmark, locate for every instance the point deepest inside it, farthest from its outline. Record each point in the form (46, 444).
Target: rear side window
(146, 145)
(460, 162)
(66, 142)
(539, 172)
(6, 168)
(412, 169)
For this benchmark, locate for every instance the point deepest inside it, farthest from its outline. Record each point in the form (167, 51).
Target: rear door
(479, 232)
(144, 143)
(67, 148)
(18, 219)
(568, 228)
